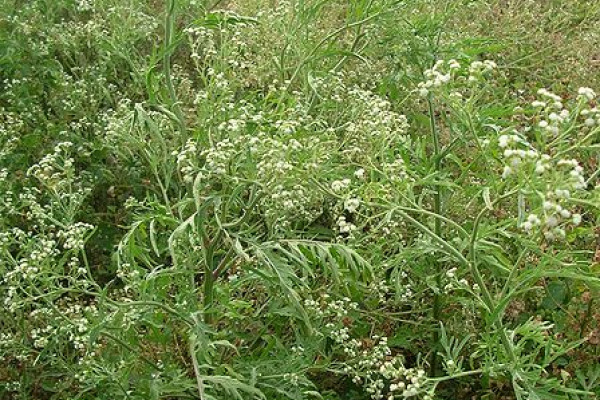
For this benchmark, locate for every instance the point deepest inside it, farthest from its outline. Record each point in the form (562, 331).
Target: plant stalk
(169, 24)
(199, 380)
(437, 229)
(209, 294)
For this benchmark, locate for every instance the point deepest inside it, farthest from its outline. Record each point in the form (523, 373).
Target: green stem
(458, 375)
(487, 297)
(169, 22)
(437, 209)
(512, 274)
(208, 300)
(199, 380)
(488, 300)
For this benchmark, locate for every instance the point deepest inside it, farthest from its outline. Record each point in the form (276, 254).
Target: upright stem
(199, 380)
(490, 304)
(169, 22)
(487, 297)
(209, 283)
(437, 209)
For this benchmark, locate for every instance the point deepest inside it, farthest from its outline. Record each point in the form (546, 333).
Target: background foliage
(305, 199)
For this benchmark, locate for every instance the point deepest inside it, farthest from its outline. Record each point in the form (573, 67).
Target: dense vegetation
(299, 199)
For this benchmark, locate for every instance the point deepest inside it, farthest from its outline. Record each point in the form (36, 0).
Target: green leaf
(556, 295)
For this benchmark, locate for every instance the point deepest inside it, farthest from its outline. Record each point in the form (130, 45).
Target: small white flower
(338, 186)
(351, 205)
(359, 173)
(587, 92)
(549, 235)
(551, 222)
(503, 141)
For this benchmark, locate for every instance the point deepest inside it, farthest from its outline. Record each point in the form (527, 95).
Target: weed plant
(299, 199)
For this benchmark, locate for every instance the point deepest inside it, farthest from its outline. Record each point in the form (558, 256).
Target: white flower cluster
(407, 382)
(7, 342)
(553, 114)
(344, 226)
(339, 186)
(41, 336)
(479, 69)
(444, 72)
(227, 48)
(186, 159)
(554, 216)
(575, 173)
(283, 165)
(31, 264)
(518, 151)
(77, 335)
(55, 167)
(462, 284)
(128, 274)
(351, 205)
(85, 5)
(13, 235)
(435, 77)
(74, 236)
(328, 308)
(592, 117)
(396, 170)
(381, 289)
(333, 313)
(217, 158)
(232, 125)
(552, 180)
(405, 292)
(384, 376)
(373, 125)
(272, 154)
(587, 93)
(202, 42)
(519, 154)
(369, 362)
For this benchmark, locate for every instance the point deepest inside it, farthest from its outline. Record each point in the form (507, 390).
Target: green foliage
(299, 200)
